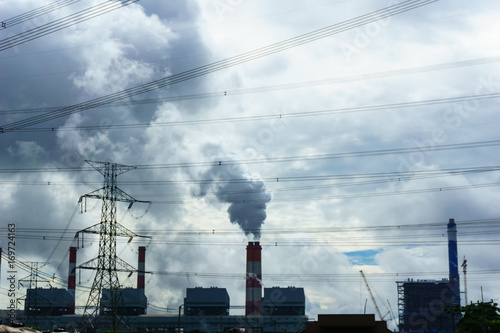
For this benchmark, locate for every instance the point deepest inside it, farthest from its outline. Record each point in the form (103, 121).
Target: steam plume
(246, 195)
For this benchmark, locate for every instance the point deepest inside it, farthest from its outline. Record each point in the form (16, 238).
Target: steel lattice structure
(107, 264)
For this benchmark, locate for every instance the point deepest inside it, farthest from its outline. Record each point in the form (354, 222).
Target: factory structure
(273, 309)
(423, 304)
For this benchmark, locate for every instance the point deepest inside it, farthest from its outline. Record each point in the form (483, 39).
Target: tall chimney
(142, 268)
(253, 279)
(72, 277)
(453, 261)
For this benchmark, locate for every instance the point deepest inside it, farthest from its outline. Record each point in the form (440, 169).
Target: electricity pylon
(31, 303)
(107, 264)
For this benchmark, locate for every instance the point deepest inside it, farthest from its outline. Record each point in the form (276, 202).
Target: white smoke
(246, 194)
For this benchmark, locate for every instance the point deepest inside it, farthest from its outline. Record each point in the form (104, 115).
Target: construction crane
(373, 298)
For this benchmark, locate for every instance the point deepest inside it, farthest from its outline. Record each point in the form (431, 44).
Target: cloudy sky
(346, 149)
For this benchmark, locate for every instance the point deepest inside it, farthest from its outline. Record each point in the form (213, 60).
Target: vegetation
(479, 318)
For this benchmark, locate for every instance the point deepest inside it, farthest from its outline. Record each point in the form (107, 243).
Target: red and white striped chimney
(142, 268)
(254, 278)
(72, 277)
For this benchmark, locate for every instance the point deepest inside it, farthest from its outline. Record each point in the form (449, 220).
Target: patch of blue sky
(366, 257)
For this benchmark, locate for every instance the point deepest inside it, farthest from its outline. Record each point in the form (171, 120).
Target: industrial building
(131, 302)
(422, 304)
(273, 309)
(47, 302)
(426, 304)
(206, 301)
(284, 301)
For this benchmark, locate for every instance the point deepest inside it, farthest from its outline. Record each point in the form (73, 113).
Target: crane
(373, 298)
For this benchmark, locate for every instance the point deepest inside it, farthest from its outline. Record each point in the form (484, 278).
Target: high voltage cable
(18, 19)
(461, 99)
(219, 65)
(272, 276)
(45, 234)
(360, 240)
(387, 193)
(63, 23)
(378, 176)
(380, 152)
(363, 243)
(296, 188)
(461, 224)
(348, 196)
(466, 228)
(52, 277)
(376, 75)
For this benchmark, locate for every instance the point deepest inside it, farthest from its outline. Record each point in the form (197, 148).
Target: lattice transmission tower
(107, 264)
(33, 300)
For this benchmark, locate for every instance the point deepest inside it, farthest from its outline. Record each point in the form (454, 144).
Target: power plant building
(424, 305)
(207, 309)
(206, 301)
(289, 301)
(130, 301)
(47, 302)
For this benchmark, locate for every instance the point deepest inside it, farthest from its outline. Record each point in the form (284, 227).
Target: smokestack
(253, 279)
(453, 261)
(72, 277)
(142, 268)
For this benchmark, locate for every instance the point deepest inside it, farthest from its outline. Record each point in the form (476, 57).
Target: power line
(63, 23)
(18, 19)
(387, 178)
(220, 65)
(376, 177)
(235, 92)
(473, 223)
(364, 243)
(380, 107)
(313, 277)
(396, 234)
(315, 157)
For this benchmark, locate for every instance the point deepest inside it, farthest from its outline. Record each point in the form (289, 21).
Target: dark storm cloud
(43, 74)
